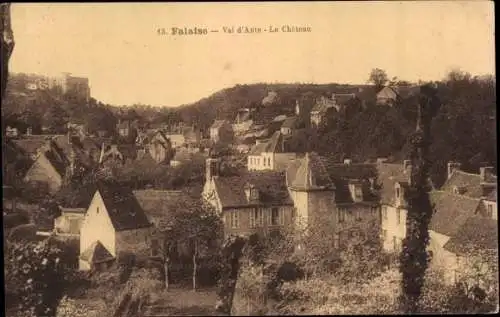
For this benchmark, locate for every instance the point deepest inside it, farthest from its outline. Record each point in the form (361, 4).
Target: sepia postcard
(249, 158)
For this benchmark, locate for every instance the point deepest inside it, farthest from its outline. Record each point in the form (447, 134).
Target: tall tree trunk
(195, 267)
(414, 257)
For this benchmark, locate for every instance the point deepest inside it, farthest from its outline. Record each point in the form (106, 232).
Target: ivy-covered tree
(414, 255)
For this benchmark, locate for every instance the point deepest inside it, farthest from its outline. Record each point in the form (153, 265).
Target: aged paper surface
(275, 157)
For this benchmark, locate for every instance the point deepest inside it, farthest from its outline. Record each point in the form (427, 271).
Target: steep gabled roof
(271, 186)
(477, 233)
(388, 175)
(161, 205)
(258, 149)
(451, 211)
(122, 206)
(323, 173)
(96, 253)
(31, 144)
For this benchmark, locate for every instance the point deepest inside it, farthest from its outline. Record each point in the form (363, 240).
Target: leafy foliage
(38, 274)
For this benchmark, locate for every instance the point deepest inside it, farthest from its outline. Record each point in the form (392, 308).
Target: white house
(270, 155)
(115, 225)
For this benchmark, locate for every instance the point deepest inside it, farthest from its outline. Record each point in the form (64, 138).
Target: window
(384, 212)
(397, 192)
(275, 217)
(358, 193)
(97, 210)
(395, 243)
(490, 210)
(342, 214)
(384, 234)
(234, 219)
(154, 247)
(268, 161)
(398, 216)
(359, 215)
(256, 219)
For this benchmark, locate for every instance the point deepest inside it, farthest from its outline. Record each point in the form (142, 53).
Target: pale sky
(117, 47)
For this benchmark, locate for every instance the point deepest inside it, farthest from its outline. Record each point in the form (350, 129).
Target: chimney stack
(452, 166)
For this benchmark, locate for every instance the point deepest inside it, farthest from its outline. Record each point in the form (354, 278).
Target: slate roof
(323, 173)
(476, 233)
(271, 185)
(123, 208)
(96, 253)
(388, 175)
(159, 205)
(31, 144)
(259, 148)
(57, 162)
(451, 211)
(471, 183)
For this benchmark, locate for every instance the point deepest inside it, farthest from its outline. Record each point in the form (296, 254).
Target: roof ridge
(466, 173)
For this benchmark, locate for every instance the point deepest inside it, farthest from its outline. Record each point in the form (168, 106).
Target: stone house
(273, 154)
(115, 226)
(459, 201)
(344, 193)
(220, 131)
(253, 202)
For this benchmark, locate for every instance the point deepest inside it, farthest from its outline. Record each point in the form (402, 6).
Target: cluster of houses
(280, 189)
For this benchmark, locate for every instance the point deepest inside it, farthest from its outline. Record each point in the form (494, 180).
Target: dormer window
(356, 191)
(251, 192)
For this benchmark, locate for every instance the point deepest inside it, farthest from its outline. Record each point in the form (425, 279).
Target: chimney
(452, 166)
(485, 173)
(347, 161)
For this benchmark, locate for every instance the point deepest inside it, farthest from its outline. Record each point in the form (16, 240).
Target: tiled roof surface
(160, 204)
(476, 233)
(257, 149)
(451, 211)
(96, 253)
(320, 172)
(388, 175)
(31, 144)
(471, 183)
(271, 186)
(123, 208)
(344, 98)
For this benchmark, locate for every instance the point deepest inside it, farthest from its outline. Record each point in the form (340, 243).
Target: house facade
(390, 95)
(252, 203)
(341, 194)
(459, 201)
(114, 226)
(273, 154)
